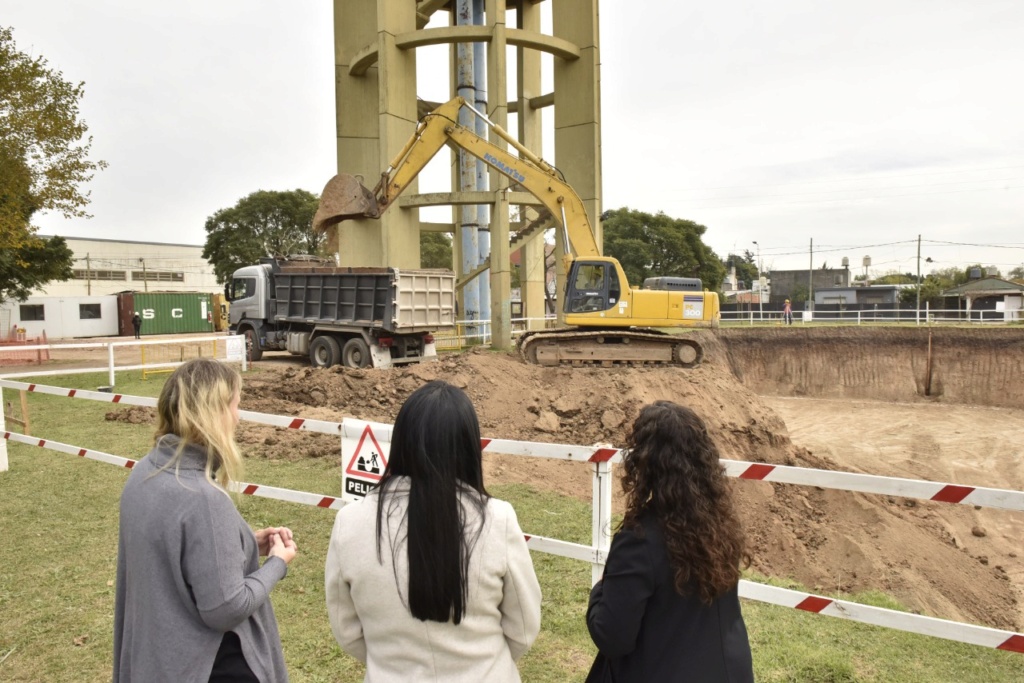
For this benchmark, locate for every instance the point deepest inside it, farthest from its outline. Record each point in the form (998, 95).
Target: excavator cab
(591, 286)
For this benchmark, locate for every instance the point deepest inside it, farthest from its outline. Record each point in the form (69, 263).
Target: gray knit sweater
(187, 572)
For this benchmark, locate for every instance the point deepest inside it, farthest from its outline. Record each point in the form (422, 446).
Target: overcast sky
(860, 125)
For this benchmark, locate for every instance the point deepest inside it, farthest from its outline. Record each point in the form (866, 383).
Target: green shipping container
(174, 312)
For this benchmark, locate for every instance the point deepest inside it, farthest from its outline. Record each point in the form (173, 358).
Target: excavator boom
(605, 309)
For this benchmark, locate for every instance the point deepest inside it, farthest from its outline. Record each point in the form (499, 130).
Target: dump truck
(356, 317)
(607, 320)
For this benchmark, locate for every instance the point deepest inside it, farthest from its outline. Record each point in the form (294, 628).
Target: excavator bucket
(344, 197)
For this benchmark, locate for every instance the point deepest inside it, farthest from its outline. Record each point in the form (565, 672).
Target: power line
(852, 179)
(863, 189)
(843, 199)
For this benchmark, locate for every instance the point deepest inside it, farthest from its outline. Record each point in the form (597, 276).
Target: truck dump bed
(391, 299)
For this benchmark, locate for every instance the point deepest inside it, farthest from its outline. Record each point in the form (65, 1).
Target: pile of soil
(826, 540)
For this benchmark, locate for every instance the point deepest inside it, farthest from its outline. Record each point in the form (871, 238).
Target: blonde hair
(195, 406)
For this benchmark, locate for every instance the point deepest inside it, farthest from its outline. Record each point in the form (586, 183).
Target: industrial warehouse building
(88, 305)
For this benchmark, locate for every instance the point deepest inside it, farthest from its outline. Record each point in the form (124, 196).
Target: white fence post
(110, 363)
(3, 442)
(602, 523)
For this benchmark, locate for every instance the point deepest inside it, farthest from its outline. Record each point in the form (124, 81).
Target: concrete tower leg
(532, 270)
(376, 114)
(578, 108)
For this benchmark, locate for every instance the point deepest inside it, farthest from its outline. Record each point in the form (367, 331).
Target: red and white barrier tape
(901, 621)
(300, 423)
(552, 546)
(780, 474)
(71, 450)
(878, 616)
(353, 429)
(870, 483)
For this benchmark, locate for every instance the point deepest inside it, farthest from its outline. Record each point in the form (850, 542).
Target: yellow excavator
(609, 322)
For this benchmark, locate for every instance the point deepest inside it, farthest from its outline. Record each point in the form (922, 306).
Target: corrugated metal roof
(987, 285)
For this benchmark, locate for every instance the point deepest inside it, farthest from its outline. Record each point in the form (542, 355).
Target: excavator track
(609, 347)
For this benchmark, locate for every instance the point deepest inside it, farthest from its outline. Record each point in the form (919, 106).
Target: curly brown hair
(672, 471)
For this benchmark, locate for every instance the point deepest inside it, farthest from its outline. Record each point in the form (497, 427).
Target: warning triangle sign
(369, 461)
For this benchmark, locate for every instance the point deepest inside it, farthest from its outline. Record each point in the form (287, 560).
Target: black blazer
(646, 632)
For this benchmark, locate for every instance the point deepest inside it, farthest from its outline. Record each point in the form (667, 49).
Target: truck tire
(356, 353)
(324, 352)
(252, 345)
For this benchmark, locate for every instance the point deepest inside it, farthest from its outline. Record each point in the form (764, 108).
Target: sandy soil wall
(977, 366)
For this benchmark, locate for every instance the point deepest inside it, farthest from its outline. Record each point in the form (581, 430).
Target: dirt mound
(825, 539)
(136, 415)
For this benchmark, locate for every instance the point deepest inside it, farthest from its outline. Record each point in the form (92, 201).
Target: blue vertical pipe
(483, 210)
(467, 169)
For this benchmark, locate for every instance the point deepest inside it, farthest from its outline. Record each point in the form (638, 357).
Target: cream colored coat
(367, 606)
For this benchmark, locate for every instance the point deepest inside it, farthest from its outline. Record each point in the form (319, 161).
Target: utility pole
(145, 278)
(760, 290)
(917, 314)
(88, 276)
(810, 281)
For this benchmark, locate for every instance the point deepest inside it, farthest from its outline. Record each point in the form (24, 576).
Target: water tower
(378, 105)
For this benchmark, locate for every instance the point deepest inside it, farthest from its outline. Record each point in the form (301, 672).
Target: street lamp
(760, 294)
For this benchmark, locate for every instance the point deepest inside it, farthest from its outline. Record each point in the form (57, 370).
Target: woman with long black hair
(429, 578)
(667, 607)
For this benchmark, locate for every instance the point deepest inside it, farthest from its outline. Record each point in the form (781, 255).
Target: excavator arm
(344, 196)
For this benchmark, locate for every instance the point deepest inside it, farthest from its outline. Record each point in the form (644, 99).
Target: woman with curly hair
(667, 608)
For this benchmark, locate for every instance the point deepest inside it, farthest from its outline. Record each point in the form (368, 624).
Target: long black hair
(673, 471)
(436, 444)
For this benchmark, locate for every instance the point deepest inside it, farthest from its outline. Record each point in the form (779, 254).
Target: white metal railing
(479, 331)
(233, 346)
(877, 316)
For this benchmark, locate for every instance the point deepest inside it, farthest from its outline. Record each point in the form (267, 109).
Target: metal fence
(874, 315)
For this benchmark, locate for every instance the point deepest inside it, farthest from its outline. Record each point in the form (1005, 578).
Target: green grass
(59, 543)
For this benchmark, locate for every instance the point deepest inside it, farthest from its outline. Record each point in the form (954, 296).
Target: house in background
(787, 284)
(887, 296)
(988, 294)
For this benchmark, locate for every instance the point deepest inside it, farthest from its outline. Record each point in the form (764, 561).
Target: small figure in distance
(137, 324)
(428, 578)
(192, 601)
(667, 607)
(787, 312)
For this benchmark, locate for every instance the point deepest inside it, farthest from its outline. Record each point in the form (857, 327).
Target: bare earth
(924, 554)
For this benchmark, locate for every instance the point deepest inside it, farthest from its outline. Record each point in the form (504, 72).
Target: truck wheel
(252, 345)
(356, 353)
(324, 352)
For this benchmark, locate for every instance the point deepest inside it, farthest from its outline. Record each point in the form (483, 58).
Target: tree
(44, 160)
(1016, 274)
(657, 245)
(746, 268)
(32, 264)
(265, 223)
(894, 278)
(435, 250)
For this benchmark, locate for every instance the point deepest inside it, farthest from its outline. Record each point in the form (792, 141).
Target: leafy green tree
(746, 268)
(435, 250)
(32, 264)
(1016, 274)
(895, 278)
(657, 245)
(799, 294)
(44, 160)
(265, 223)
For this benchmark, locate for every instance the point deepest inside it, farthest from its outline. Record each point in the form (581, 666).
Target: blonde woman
(193, 602)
